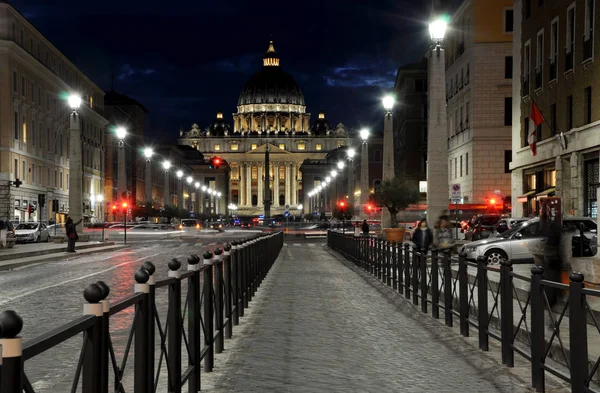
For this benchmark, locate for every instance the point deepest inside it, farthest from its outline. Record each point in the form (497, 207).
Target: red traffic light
(114, 207)
(124, 204)
(369, 207)
(342, 204)
(492, 201)
(217, 161)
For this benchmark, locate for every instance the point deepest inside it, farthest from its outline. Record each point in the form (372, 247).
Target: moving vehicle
(32, 232)
(515, 244)
(189, 224)
(481, 226)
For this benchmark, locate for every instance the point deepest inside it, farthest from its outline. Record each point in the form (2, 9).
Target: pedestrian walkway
(317, 326)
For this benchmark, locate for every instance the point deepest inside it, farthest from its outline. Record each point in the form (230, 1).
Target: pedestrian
(552, 264)
(72, 236)
(422, 236)
(51, 221)
(365, 228)
(3, 233)
(443, 234)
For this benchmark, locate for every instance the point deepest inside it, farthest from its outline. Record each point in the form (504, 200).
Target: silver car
(516, 243)
(32, 232)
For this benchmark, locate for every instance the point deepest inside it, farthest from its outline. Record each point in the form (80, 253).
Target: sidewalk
(27, 254)
(318, 326)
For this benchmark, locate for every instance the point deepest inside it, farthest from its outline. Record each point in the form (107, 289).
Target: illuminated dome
(271, 85)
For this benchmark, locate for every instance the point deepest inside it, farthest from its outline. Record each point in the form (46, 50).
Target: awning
(545, 193)
(523, 198)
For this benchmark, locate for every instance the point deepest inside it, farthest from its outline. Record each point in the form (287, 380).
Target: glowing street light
(341, 165)
(437, 29)
(166, 165)
(388, 102)
(148, 153)
(364, 134)
(350, 153)
(121, 133)
(190, 179)
(74, 102)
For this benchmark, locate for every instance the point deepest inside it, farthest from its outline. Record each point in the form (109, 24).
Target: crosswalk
(299, 244)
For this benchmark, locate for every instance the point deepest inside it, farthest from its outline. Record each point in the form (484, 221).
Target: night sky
(186, 60)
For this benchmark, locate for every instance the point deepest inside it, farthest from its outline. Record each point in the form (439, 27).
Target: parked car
(506, 224)
(32, 232)
(481, 226)
(515, 244)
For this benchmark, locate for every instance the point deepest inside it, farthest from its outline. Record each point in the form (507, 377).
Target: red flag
(535, 119)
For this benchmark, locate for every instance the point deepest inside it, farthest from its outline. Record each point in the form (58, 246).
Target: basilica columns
(276, 184)
(260, 185)
(288, 201)
(294, 180)
(242, 179)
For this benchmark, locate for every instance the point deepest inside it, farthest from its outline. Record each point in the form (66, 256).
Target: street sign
(286, 214)
(455, 200)
(456, 194)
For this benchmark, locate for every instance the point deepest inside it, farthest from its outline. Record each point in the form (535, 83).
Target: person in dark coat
(72, 236)
(365, 228)
(422, 236)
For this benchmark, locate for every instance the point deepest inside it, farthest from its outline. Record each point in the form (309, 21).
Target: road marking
(297, 244)
(12, 299)
(182, 245)
(289, 254)
(285, 244)
(311, 244)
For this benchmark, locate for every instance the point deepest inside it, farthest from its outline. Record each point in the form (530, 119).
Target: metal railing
(513, 309)
(218, 291)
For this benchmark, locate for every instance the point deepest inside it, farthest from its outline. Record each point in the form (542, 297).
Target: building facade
(271, 115)
(479, 99)
(35, 79)
(555, 55)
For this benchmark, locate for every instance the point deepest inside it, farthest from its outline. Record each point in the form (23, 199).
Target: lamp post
(364, 169)
(189, 181)
(179, 192)
(121, 174)
(197, 194)
(437, 149)
(166, 167)
(388, 152)
(351, 153)
(148, 153)
(75, 168)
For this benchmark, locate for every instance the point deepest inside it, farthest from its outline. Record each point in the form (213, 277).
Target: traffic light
(215, 163)
(42, 200)
(492, 201)
(17, 183)
(114, 208)
(342, 204)
(124, 205)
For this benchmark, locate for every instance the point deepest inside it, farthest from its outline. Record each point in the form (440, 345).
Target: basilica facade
(271, 115)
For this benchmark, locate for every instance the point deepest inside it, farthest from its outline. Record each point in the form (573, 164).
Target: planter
(394, 235)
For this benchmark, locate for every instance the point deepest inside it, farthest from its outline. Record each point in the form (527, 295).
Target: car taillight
(180, 226)
(197, 226)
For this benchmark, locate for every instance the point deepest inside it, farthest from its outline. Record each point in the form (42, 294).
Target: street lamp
(166, 166)
(121, 133)
(341, 165)
(148, 153)
(333, 174)
(437, 149)
(388, 103)
(364, 168)
(364, 135)
(75, 164)
(351, 153)
(388, 151)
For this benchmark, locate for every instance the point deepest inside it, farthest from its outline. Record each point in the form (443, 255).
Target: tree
(396, 196)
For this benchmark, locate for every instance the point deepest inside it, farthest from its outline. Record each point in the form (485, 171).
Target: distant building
(410, 123)
(556, 66)
(479, 96)
(34, 126)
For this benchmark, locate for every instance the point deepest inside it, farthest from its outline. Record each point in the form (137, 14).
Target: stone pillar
(75, 172)
(276, 182)
(364, 176)
(294, 180)
(388, 161)
(148, 192)
(249, 184)
(288, 200)
(242, 185)
(437, 147)
(260, 185)
(199, 197)
(517, 190)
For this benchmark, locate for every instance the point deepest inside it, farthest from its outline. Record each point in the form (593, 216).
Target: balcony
(568, 62)
(526, 87)
(538, 79)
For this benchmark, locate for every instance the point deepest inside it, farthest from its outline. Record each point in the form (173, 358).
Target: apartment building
(35, 79)
(479, 99)
(555, 53)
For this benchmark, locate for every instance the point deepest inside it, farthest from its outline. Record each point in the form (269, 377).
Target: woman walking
(72, 236)
(422, 236)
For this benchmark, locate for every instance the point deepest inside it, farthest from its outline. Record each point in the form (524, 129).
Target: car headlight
(470, 249)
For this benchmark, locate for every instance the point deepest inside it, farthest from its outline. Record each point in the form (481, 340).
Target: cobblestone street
(318, 326)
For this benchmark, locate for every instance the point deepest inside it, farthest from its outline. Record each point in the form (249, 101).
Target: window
(466, 115)
(253, 146)
(570, 29)
(301, 146)
(553, 119)
(539, 59)
(23, 87)
(32, 133)
(91, 101)
(455, 168)
(588, 105)
(234, 147)
(24, 130)
(16, 125)
(508, 111)
(48, 139)
(15, 82)
(550, 178)
(507, 160)
(467, 164)
(508, 67)
(508, 20)
(569, 113)
(526, 67)
(217, 147)
(589, 20)
(525, 132)
(420, 86)
(340, 143)
(40, 136)
(553, 48)
(32, 92)
(16, 168)
(254, 173)
(319, 146)
(527, 8)
(282, 146)
(67, 181)
(55, 178)
(461, 166)
(60, 179)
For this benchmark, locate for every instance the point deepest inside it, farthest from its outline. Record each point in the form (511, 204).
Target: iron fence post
(400, 266)
(415, 276)
(388, 265)
(463, 294)
(228, 291)
(243, 268)
(235, 293)
(90, 381)
(194, 328)
(141, 333)
(537, 328)
(150, 268)
(372, 261)
(250, 270)
(407, 262)
(448, 301)
(175, 327)
(104, 334)
(482, 303)
(209, 358)
(218, 291)
(423, 268)
(506, 312)
(394, 258)
(435, 289)
(578, 342)
(12, 351)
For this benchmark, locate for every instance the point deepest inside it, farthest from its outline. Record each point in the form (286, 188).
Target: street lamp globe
(197, 184)
(351, 153)
(203, 188)
(364, 134)
(333, 174)
(148, 152)
(121, 133)
(179, 174)
(219, 194)
(100, 198)
(167, 165)
(340, 165)
(190, 179)
(74, 101)
(388, 102)
(328, 179)
(437, 29)
(300, 207)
